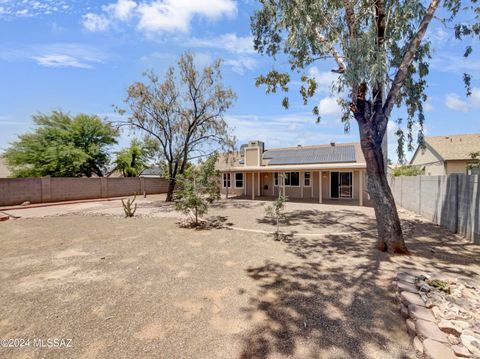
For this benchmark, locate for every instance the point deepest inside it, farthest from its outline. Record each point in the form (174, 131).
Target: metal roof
(331, 154)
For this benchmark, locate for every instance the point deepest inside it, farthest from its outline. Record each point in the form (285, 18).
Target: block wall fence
(15, 191)
(451, 201)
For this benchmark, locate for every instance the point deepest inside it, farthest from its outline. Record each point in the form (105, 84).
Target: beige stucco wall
(252, 156)
(425, 156)
(459, 166)
(267, 186)
(4, 171)
(435, 169)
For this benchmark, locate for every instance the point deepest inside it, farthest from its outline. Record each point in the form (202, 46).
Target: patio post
(360, 187)
(283, 183)
(245, 183)
(253, 185)
(320, 200)
(228, 185)
(302, 180)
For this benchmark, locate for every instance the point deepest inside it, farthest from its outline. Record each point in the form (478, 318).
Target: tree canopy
(131, 161)
(184, 112)
(381, 57)
(62, 146)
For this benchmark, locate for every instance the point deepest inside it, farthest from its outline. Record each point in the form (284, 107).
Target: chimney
(332, 144)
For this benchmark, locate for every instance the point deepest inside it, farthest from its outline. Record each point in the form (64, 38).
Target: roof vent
(299, 146)
(332, 144)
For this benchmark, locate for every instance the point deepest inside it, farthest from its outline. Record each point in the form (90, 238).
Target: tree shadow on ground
(334, 299)
(344, 219)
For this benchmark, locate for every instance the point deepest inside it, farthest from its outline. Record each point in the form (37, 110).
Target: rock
(405, 277)
(410, 327)
(404, 311)
(429, 304)
(454, 340)
(461, 351)
(419, 312)
(447, 326)
(417, 344)
(471, 342)
(408, 298)
(429, 330)
(436, 350)
(405, 286)
(436, 312)
(26, 203)
(3, 217)
(425, 288)
(461, 324)
(394, 284)
(422, 277)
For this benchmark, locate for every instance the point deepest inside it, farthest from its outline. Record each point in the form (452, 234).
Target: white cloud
(324, 79)
(457, 103)
(61, 61)
(241, 64)
(329, 106)
(229, 42)
(93, 22)
(122, 9)
(32, 8)
(176, 15)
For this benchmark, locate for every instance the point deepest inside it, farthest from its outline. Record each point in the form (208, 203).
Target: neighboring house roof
(4, 171)
(151, 171)
(452, 147)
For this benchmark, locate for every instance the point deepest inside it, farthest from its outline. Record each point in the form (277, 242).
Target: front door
(341, 184)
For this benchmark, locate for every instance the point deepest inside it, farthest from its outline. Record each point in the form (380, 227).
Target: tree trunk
(389, 229)
(171, 188)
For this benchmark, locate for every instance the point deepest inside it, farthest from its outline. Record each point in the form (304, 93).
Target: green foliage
(128, 208)
(276, 212)
(184, 112)
(408, 170)
(440, 284)
(133, 160)
(198, 188)
(372, 43)
(474, 164)
(62, 146)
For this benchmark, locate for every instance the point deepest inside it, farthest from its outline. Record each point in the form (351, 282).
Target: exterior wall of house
(425, 156)
(252, 156)
(456, 167)
(435, 169)
(268, 189)
(4, 171)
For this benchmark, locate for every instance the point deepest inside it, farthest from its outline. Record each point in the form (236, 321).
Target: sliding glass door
(341, 184)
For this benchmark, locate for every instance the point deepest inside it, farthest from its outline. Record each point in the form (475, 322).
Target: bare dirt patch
(144, 287)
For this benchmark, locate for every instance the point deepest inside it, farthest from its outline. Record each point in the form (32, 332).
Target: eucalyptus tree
(379, 51)
(184, 112)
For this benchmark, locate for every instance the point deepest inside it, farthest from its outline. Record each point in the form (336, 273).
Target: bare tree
(184, 112)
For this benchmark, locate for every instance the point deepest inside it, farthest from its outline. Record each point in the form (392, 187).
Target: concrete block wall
(15, 191)
(450, 201)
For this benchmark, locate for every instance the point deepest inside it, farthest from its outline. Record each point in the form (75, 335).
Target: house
(326, 173)
(153, 171)
(4, 172)
(444, 155)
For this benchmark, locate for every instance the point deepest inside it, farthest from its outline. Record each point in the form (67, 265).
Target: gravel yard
(145, 288)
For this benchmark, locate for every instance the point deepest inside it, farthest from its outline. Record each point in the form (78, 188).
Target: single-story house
(444, 155)
(325, 173)
(153, 171)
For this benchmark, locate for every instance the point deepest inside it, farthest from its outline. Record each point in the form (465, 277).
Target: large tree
(62, 146)
(131, 161)
(381, 58)
(184, 112)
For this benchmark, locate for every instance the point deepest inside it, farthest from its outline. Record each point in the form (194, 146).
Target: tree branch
(408, 58)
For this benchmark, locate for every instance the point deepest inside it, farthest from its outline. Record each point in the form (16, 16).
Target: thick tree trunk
(390, 237)
(171, 189)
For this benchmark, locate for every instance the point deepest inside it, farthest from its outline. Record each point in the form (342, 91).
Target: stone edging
(433, 336)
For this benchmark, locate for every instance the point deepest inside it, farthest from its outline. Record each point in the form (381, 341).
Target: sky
(80, 56)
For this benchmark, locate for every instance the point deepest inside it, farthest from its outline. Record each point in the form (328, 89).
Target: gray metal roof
(331, 154)
(151, 171)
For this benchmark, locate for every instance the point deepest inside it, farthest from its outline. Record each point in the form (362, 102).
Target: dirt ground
(145, 288)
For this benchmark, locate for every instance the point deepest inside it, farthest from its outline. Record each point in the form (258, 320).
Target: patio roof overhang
(309, 167)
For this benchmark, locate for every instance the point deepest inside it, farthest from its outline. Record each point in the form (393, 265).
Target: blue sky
(80, 56)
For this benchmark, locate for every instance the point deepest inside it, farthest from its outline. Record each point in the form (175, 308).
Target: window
(275, 179)
(238, 180)
(292, 179)
(307, 178)
(226, 180)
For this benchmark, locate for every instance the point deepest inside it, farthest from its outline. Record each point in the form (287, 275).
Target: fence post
(46, 189)
(142, 185)
(104, 187)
